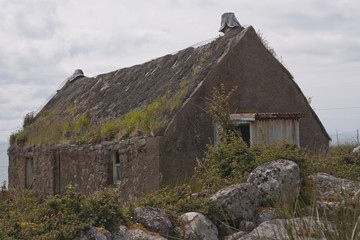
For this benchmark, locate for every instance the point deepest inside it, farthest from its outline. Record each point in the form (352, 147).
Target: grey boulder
(332, 191)
(119, 233)
(306, 228)
(356, 150)
(265, 214)
(246, 226)
(153, 219)
(122, 233)
(137, 234)
(197, 226)
(279, 179)
(237, 201)
(235, 236)
(94, 233)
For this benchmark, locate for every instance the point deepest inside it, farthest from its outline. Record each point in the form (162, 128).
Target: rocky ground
(279, 180)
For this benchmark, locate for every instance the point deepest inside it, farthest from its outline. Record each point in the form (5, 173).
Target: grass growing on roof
(147, 120)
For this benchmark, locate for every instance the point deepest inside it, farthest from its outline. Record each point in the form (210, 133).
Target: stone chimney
(228, 22)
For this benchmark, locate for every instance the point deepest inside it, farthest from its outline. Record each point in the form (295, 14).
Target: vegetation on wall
(219, 108)
(49, 128)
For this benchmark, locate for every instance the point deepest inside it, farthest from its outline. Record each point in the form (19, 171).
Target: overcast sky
(42, 42)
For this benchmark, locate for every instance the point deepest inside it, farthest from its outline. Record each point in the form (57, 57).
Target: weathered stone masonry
(88, 167)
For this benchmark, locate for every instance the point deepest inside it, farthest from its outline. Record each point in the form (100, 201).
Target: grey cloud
(28, 48)
(12, 110)
(118, 44)
(12, 114)
(30, 65)
(328, 47)
(312, 23)
(30, 19)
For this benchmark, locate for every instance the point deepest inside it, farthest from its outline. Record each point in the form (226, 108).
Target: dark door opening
(244, 130)
(57, 187)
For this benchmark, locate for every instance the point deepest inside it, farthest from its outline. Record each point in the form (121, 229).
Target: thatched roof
(116, 93)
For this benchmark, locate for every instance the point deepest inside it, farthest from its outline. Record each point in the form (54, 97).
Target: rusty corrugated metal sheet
(275, 130)
(278, 115)
(266, 115)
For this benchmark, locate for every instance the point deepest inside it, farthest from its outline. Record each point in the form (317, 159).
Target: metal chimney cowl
(228, 21)
(77, 73)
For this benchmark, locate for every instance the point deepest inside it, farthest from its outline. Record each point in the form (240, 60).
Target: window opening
(116, 168)
(117, 158)
(29, 173)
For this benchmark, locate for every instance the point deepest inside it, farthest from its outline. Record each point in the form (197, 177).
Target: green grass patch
(50, 129)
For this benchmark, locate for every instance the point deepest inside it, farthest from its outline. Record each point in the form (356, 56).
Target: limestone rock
(153, 219)
(235, 236)
(265, 215)
(306, 228)
(237, 201)
(137, 234)
(332, 191)
(356, 151)
(121, 233)
(94, 233)
(246, 226)
(197, 226)
(279, 179)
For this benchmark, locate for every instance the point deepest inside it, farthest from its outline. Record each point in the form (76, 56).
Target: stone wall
(139, 159)
(88, 167)
(42, 168)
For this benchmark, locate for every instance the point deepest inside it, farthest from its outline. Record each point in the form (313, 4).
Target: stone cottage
(267, 106)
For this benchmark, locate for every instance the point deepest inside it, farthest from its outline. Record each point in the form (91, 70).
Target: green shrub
(219, 108)
(227, 162)
(26, 215)
(338, 161)
(29, 119)
(21, 137)
(110, 130)
(12, 138)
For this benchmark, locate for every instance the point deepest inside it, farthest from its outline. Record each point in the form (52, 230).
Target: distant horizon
(4, 162)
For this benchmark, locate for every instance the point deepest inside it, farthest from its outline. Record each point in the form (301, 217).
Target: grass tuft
(50, 129)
